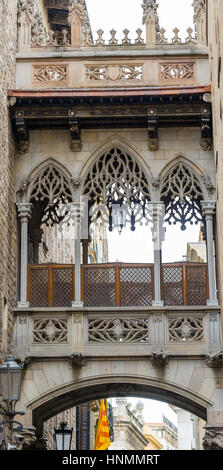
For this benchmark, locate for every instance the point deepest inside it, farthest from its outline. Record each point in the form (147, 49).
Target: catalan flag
(102, 440)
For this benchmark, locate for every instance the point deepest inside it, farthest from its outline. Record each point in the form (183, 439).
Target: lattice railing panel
(186, 329)
(38, 287)
(99, 287)
(62, 287)
(172, 285)
(118, 330)
(197, 285)
(50, 330)
(136, 286)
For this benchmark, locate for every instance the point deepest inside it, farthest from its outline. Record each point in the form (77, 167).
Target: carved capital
(78, 360)
(24, 211)
(208, 208)
(215, 359)
(213, 439)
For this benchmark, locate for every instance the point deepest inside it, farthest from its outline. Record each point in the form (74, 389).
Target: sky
(121, 14)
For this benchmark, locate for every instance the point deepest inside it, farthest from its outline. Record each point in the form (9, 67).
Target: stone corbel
(213, 439)
(22, 134)
(75, 130)
(153, 130)
(78, 360)
(206, 129)
(215, 359)
(159, 358)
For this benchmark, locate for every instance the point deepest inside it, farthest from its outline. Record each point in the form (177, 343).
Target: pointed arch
(116, 161)
(197, 175)
(48, 181)
(181, 190)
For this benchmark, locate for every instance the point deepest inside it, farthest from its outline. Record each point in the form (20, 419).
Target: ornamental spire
(151, 20)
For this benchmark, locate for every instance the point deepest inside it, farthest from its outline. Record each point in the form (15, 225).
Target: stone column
(208, 212)
(77, 215)
(158, 212)
(24, 211)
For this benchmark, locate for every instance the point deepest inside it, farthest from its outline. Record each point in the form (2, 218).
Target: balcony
(118, 285)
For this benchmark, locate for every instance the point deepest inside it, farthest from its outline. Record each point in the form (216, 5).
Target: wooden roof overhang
(101, 108)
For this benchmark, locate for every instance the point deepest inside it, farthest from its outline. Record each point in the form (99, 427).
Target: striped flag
(102, 440)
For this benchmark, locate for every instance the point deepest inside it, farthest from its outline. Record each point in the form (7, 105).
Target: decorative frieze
(50, 331)
(118, 330)
(177, 71)
(186, 329)
(50, 73)
(114, 72)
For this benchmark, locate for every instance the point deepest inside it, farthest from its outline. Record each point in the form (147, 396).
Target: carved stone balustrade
(79, 334)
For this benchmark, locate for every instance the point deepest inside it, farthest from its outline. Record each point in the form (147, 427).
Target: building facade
(121, 123)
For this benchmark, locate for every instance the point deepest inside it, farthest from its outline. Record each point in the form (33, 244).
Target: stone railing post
(77, 215)
(24, 212)
(208, 208)
(157, 212)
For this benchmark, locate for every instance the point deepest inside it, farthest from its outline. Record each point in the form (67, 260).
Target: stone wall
(8, 41)
(215, 29)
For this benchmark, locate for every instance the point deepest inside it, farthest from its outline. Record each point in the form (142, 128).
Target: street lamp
(63, 436)
(119, 213)
(10, 389)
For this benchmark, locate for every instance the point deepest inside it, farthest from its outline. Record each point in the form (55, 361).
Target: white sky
(136, 246)
(121, 14)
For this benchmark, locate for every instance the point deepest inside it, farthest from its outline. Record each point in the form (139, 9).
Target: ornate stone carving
(100, 40)
(183, 191)
(177, 71)
(190, 39)
(208, 184)
(50, 184)
(80, 23)
(78, 360)
(75, 130)
(151, 19)
(200, 12)
(153, 130)
(176, 39)
(215, 359)
(213, 439)
(22, 134)
(113, 40)
(126, 40)
(206, 129)
(50, 331)
(114, 72)
(118, 330)
(186, 329)
(50, 73)
(139, 39)
(159, 358)
(116, 177)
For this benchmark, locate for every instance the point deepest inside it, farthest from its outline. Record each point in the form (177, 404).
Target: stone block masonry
(8, 44)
